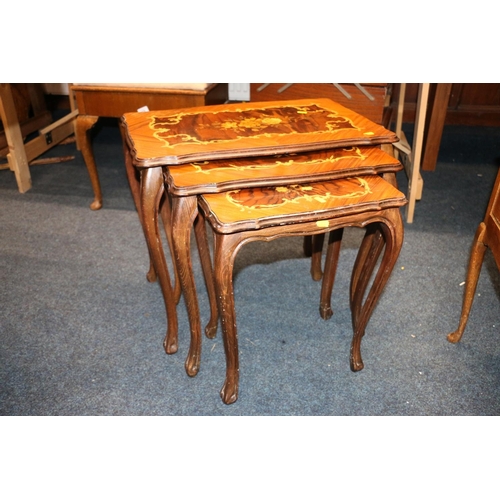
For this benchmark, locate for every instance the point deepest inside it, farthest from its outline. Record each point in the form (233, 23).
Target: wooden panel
(478, 94)
(358, 101)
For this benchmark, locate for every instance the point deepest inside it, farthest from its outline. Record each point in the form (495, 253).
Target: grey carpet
(81, 329)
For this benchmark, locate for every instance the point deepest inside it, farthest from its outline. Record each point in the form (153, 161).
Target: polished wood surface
(262, 214)
(245, 209)
(222, 175)
(487, 236)
(175, 137)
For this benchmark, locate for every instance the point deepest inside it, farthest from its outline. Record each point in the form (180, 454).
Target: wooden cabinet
(469, 104)
(369, 101)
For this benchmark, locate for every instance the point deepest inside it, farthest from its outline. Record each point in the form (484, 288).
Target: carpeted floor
(81, 329)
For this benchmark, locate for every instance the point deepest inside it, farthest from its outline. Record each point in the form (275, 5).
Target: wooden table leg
(166, 217)
(84, 124)
(366, 259)
(317, 252)
(391, 225)
(152, 187)
(313, 247)
(134, 182)
(200, 232)
(332, 258)
(226, 247)
(184, 213)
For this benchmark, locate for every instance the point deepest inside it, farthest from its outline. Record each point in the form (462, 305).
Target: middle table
(218, 148)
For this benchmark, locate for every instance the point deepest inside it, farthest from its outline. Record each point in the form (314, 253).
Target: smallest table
(241, 216)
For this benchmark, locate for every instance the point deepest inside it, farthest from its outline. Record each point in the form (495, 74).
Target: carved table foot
(229, 391)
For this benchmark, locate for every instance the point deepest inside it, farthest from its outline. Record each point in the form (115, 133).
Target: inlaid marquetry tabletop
(221, 175)
(173, 137)
(255, 208)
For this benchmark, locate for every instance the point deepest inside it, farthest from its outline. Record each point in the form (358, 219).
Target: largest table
(159, 142)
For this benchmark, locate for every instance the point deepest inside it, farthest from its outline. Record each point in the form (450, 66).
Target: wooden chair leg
(18, 161)
(473, 271)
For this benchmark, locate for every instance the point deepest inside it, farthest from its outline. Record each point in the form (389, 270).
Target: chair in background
(16, 126)
(112, 100)
(487, 236)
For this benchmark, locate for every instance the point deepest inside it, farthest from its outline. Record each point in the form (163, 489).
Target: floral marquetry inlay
(290, 160)
(221, 126)
(246, 130)
(265, 198)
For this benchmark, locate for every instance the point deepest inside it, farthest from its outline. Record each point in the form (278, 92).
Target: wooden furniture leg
(317, 251)
(166, 217)
(84, 124)
(436, 124)
(416, 152)
(332, 258)
(200, 232)
(152, 188)
(17, 158)
(392, 227)
(226, 247)
(366, 259)
(313, 247)
(474, 269)
(133, 177)
(185, 211)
